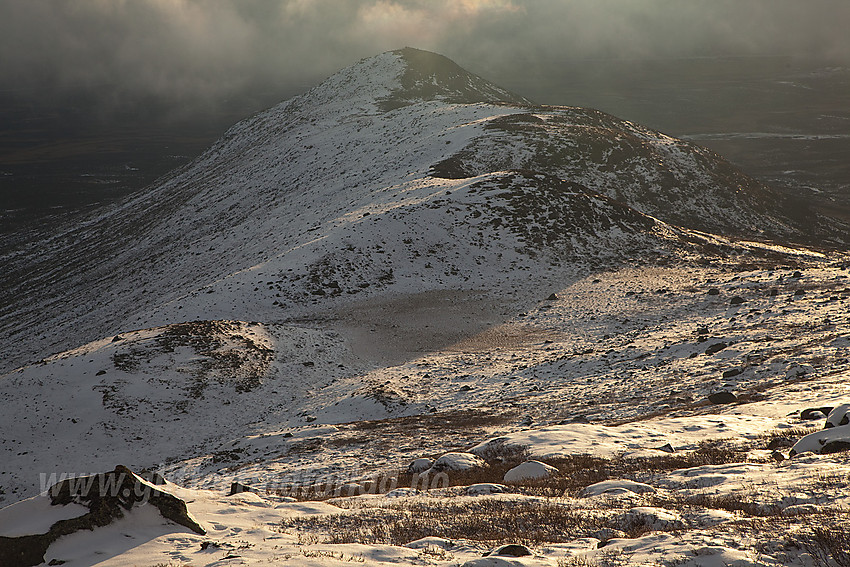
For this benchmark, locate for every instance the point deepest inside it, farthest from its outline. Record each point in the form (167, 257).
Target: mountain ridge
(273, 189)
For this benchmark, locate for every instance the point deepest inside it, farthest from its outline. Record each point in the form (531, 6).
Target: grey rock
(715, 348)
(722, 397)
(510, 550)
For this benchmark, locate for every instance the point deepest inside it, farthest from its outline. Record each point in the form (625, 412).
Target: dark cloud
(201, 51)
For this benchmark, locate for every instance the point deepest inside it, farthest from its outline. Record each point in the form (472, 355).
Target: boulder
(832, 439)
(838, 416)
(485, 488)
(458, 462)
(107, 496)
(732, 372)
(530, 470)
(722, 397)
(838, 446)
(616, 487)
(810, 414)
(780, 443)
(716, 347)
(239, 488)
(419, 466)
(798, 370)
(510, 550)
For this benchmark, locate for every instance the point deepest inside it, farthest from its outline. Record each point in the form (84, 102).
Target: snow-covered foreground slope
(407, 263)
(208, 404)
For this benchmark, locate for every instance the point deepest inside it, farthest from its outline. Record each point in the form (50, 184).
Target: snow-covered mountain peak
(430, 76)
(399, 78)
(355, 87)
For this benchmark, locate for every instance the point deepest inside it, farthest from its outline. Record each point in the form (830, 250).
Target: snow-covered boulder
(420, 466)
(616, 488)
(458, 462)
(82, 503)
(810, 414)
(829, 440)
(430, 541)
(530, 470)
(839, 416)
(485, 488)
(798, 370)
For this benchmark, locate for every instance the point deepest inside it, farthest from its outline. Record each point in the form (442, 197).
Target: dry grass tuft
(485, 519)
(828, 542)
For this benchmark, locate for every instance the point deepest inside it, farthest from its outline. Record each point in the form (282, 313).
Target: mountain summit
(429, 76)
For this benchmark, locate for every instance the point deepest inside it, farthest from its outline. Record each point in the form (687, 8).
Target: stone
(810, 414)
(722, 397)
(835, 439)
(107, 496)
(780, 443)
(838, 416)
(239, 488)
(419, 465)
(510, 550)
(605, 535)
(458, 462)
(732, 372)
(485, 488)
(837, 446)
(530, 470)
(614, 487)
(715, 348)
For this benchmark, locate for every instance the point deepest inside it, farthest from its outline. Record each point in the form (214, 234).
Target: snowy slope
(408, 261)
(288, 191)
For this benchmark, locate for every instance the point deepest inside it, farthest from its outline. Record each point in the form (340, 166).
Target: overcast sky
(191, 51)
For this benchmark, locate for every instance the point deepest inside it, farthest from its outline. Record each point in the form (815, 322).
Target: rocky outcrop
(107, 496)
